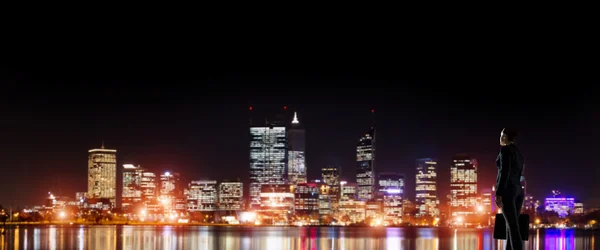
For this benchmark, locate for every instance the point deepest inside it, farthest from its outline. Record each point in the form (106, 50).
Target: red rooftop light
(284, 107)
(250, 108)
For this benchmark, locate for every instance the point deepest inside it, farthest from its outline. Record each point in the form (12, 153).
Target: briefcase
(500, 227)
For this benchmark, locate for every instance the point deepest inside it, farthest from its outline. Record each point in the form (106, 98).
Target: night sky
(50, 117)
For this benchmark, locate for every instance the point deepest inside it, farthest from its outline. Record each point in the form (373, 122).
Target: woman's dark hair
(511, 133)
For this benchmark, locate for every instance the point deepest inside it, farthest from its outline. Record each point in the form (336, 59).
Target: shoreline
(68, 224)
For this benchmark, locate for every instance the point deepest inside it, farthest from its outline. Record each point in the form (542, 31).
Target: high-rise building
(296, 152)
(426, 187)
(231, 196)
(202, 196)
(102, 174)
(365, 165)
(268, 157)
(149, 188)
(331, 175)
(463, 185)
(132, 189)
(170, 190)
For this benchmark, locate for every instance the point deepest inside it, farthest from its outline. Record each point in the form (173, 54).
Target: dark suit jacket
(510, 167)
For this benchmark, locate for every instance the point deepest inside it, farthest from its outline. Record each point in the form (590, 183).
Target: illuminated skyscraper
(102, 174)
(268, 157)
(149, 185)
(171, 194)
(132, 190)
(426, 187)
(365, 165)
(231, 196)
(463, 184)
(296, 152)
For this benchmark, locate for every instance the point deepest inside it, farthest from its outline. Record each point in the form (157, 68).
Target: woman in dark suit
(509, 192)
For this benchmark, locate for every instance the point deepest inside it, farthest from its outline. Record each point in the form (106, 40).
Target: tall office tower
(202, 196)
(132, 189)
(331, 175)
(268, 156)
(365, 165)
(231, 196)
(170, 190)
(463, 184)
(148, 184)
(102, 174)
(296, 152)
(426, 187)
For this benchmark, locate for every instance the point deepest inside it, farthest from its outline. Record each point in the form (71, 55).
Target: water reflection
(305, 238)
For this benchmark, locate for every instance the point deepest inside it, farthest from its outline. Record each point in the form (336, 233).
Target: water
(241, 238)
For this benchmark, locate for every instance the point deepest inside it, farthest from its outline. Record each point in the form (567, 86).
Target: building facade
(365, 165)
(202, 196)
(102, 174)
(426, 187)
(132, 189)
(268, 159)
(463, 183)
(149, 186)
(306, 199)
(296, 152)
(231, 196)
(171, 192)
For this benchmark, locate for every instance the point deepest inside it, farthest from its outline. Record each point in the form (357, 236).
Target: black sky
(51, 116)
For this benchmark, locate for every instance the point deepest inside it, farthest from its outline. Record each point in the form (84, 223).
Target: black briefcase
(500, 227)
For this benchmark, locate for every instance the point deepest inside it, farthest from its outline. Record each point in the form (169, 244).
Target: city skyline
(186, 145)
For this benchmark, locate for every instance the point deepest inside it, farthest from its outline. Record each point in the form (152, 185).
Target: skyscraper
(296, 152)
(102, 174)
(463, 184)
(365, 165)
(170, 190)
(148, 185)
(426, 187)
(268, 157)
(132, 191)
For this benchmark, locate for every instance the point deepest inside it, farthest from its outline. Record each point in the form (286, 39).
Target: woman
(509, 192)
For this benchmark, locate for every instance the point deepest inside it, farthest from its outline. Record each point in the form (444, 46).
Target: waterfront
(241, 238)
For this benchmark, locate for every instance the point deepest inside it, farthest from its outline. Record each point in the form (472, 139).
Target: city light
(62, 214)
(394, 191)
(480, 208)
(167, 174)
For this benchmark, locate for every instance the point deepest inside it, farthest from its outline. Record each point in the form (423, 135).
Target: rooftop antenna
(102, 144)
(295, 120)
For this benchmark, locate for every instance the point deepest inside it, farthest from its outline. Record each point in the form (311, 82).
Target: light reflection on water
(245, 238)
